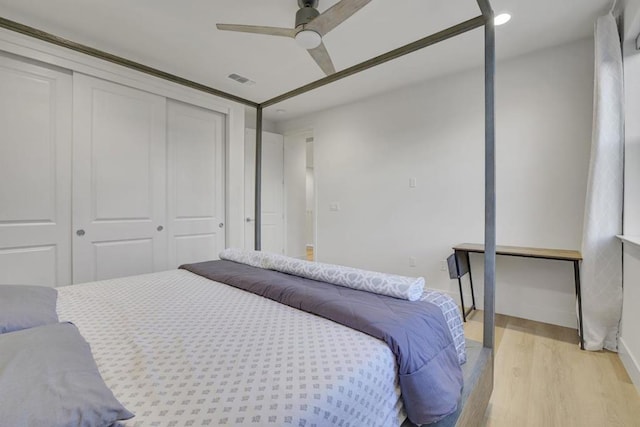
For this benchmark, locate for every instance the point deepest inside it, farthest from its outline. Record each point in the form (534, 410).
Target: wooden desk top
(559, 254)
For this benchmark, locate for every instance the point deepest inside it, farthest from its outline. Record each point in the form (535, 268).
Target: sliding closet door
(196, 183)
(35, 176)
(119, 181)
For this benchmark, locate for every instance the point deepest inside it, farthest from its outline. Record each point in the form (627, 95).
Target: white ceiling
(180, 37)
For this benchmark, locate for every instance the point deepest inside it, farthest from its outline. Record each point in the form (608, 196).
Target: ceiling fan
(310, 27)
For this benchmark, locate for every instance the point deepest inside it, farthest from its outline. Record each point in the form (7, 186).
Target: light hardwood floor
(543, 379)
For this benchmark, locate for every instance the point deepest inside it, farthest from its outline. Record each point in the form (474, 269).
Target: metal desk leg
(576, 273)
(473, 297)
(464, 314)
(463, 266)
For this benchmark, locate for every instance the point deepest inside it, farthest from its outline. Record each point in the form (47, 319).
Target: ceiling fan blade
(256, 29)
(322, 58)
(335, 15)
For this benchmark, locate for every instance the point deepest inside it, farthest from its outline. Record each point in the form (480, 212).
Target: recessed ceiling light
(280, 111)
(501, 19)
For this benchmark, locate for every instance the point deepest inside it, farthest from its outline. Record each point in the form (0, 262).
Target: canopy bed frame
(478, 371)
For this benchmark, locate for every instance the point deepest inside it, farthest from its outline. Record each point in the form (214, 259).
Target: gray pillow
(23, 307)
(48, 378)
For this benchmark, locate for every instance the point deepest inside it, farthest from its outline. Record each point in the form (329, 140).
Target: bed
(251, 339)
(179, 349)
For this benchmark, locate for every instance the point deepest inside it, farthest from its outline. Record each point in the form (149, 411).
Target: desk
(463, 266)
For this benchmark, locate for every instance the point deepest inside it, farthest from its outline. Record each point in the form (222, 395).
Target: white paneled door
(35, 174)
(272, 191)
(196, 229)
(119, 173)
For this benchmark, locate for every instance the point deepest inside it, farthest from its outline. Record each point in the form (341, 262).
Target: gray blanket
(416, 332)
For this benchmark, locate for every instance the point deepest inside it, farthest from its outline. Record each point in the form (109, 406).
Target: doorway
(310, 214)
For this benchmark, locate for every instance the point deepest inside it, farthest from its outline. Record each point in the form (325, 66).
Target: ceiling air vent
(241, 79)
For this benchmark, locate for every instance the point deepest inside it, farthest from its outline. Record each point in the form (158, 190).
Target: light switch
(334, 206)
(412, 183)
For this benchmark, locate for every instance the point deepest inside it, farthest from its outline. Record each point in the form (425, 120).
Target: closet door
(119, 180)
(196, 183)
(35, 176)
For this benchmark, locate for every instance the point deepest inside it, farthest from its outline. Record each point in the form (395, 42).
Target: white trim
(634, 240)
(630, 363)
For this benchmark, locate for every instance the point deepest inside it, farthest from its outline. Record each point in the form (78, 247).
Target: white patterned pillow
(252, 258)
(409, 288)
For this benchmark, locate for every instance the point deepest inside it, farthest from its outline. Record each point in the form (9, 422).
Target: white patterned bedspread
(181, 350)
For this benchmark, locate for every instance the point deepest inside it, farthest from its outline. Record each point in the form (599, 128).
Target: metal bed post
(258, 181)
(490, 178)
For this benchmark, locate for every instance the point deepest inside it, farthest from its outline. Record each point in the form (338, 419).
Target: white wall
(630, 328)
(366, 153)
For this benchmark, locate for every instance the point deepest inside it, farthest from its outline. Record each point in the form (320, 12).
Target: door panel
(122, 144)
(34, 265)
(272, 191)
(196, 183)
(123, 258)
(119, 170)
(35, 178)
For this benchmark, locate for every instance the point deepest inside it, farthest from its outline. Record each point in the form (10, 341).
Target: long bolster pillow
(408, 288)
(242, 256)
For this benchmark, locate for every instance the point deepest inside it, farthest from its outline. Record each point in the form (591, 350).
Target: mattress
(178, 349)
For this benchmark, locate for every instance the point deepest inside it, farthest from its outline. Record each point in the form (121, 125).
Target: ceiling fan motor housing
(307, 12)
(308, 3)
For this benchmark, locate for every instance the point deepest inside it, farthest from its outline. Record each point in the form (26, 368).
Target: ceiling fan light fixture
(308, 39)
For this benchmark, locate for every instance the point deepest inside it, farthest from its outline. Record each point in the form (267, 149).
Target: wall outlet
(334, 206)
(412, 261)
(443, 265)
(412, 183)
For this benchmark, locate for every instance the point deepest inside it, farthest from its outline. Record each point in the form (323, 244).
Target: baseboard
(630, 363)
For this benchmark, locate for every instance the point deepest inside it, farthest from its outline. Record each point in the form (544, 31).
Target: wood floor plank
(542, 378)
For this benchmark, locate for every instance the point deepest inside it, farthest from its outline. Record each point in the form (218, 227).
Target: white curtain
(601, 250)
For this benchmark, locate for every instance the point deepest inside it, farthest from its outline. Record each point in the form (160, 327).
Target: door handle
(160, 228)
(80, 233)
(221, 225)
(248, 219)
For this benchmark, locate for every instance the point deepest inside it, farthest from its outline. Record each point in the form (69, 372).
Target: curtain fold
(601, 250)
